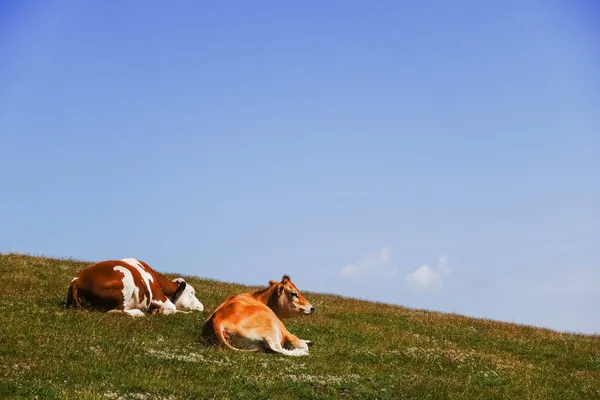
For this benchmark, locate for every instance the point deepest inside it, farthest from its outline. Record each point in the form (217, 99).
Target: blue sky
(440, 155)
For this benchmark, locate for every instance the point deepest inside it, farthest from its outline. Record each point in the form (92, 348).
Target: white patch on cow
(130, 290)
(74, 279)
(146, 277)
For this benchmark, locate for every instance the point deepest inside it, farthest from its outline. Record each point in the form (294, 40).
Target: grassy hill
(362, 350)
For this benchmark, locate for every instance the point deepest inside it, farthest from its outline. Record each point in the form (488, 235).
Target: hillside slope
(362, 350)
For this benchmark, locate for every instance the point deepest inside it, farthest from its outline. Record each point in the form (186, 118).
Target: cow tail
(72, 296)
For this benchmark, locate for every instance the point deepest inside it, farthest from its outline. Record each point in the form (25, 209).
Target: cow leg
(296, 342)
(135, 312)
(166, 305)
(161, 310)
(289, 339)
(276, 340)
(157, 310)
(275, 346)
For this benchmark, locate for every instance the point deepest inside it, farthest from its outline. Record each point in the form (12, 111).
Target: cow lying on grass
(132, 287)
(252, 321)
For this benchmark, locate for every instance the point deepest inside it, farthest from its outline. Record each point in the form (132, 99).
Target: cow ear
(271, 283)
(179, 291)
(285, 279)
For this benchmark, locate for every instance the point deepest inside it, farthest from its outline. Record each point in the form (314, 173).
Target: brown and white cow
(130, 286)
(252, 321)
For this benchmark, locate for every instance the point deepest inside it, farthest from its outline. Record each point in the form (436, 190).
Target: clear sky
(436, 154)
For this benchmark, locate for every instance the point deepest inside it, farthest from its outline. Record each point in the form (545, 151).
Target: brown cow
(130, 286)
(253, 320)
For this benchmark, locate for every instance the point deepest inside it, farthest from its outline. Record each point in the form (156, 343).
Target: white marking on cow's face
(291, 301)
(74, 279)
(187, 300)
(305, 308)
(130, 290)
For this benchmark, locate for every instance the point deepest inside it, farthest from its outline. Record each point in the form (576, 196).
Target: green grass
(362, 350)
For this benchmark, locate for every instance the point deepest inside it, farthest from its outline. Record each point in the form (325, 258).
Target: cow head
(289, 302)
(185, 297)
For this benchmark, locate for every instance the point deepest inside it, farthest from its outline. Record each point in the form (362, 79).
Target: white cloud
(444, 265)
(373, 265)
(430, 279)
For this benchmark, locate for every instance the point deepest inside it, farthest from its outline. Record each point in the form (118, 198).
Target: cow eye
(294, 294)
